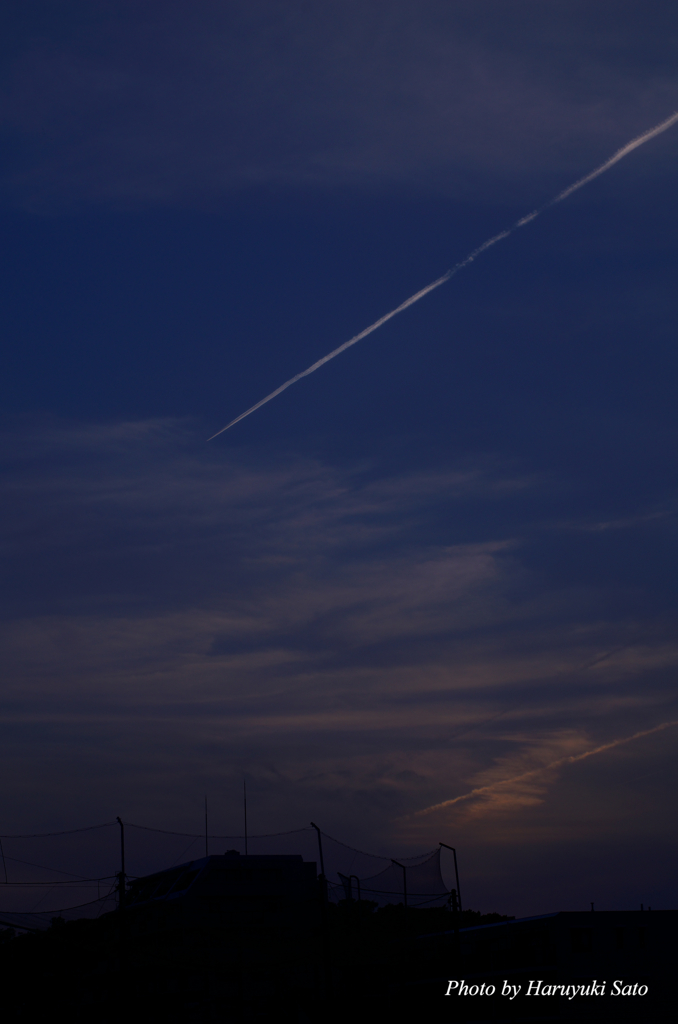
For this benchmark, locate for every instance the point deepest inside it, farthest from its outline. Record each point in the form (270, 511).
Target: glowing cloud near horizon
(615, 158)
(534, 773)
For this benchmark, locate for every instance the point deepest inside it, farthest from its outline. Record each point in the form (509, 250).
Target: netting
(71, 874)
(412, 881)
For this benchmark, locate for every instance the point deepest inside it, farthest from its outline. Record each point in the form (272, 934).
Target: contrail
(619, 155)
(571, 759)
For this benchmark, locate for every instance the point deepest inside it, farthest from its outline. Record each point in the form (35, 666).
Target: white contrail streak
(570, 759)
(619, 155)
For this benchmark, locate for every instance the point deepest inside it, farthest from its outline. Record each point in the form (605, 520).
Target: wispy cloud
(525, 788)
(186, 106)
(311, 625)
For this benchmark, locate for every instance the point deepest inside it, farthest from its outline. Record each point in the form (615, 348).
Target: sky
(443, 565)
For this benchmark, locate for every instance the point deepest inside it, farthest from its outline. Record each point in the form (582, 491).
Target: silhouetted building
(229, 891)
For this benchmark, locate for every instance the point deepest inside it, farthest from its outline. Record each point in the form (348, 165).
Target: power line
(61, 910)
(44, 867)
(201, 835)
(66, 832)
(83, 882)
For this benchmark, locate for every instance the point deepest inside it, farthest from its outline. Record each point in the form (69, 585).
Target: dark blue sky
(445, 560)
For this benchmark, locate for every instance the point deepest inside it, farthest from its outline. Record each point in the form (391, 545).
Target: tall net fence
(412, 881)
(74, 874)
(68, 874)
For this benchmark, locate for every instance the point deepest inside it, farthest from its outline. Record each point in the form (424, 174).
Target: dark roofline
(541, 917)
(516, 920)
(201, 862)
(495, 924)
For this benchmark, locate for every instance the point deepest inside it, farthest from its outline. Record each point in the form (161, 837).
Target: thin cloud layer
(514, 791)
(178, 616)
(129, 105)
(461, 598)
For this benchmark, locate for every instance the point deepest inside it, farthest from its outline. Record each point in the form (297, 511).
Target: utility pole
(121, 876)
(206, 843)
(320, 852)
(123, 919)
(4, 866)
(398, 864)
(324, 922)
(454, 907)
(244, 801)
(456, 872)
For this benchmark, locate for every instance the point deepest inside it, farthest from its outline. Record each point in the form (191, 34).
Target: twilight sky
(445, 562)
